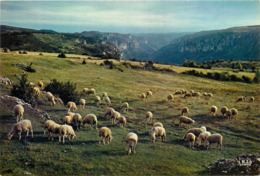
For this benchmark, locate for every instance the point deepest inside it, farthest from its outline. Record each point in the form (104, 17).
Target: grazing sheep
(214, 138)
(71, 105)
(71, 114)
(46, 125)
(185, 120)
(85, 90)
(196, 94)
(195, 131)
(125, 106)
(109, 112)
(68, 120)
(104, 94)
(40, 84)
(36, 90)
(114, 116)
(178, 92)
(131, 141)
(82, 103)
(191, 91)
(203, 128)
(252, 99)
(149, 94)
(205, 94)
(158, 131)
(65, 131)
(170, 97)
(31, 84)
(149, 116)
(190, 137)
(50, 98)
(54, 128)
(122, 121)
(185, 110)
(92, 91)
(90, 119)
(157, 124)
(108, 101)
(187, 95)
(210, 95)
(242, 98)
(18, 112)
(223, 110)
(98, 100)
(19, 127)
(213, 110)
(143, 96)
(229, 114)
(203, 136)
(184, 91)
(77, 119)
(105, 134)
(234, 112)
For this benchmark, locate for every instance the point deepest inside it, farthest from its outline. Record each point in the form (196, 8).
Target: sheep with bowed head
(66, 131)
(98, 100)
(122, 121)
(90, 119)
(131, 141)
(54, 128)
(214, 138)
(82, 103)
(158, 131)
(19, 127)
(46, 126)
(71, 105)
(77, 119)
(18, 112)
(105, 135)
(213, 110)
(190, 138)
(149, 116)
(125, 106)
(185, 120)
(185, 110)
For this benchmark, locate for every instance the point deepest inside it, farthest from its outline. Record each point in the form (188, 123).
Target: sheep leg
(63, 139)
(134, 149)
(31, 132)
(20, 135)
(21, 117)
(27, 134)
(17, 118)
(59, 138)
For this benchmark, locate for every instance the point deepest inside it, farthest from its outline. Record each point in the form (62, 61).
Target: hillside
(85, 156)
(239, 43)
(138, 46)
(50, 41)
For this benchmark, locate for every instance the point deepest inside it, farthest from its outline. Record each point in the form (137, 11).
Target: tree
(62, 55)
(240, 67)
(233, 66)
(253, 68)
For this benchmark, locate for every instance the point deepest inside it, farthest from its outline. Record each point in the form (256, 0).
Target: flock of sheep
(71, 119)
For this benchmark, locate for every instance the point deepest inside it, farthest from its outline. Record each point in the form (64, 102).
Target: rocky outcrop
(5, 81)
(245, 164)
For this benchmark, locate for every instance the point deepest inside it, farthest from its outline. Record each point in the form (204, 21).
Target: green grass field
(85, 156)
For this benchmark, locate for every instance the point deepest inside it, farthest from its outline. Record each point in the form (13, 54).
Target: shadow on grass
(104, 152)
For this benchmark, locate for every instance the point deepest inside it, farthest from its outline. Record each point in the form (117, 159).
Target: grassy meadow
(85, 156)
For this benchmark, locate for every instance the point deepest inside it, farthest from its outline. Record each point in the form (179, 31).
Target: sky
(130, 16)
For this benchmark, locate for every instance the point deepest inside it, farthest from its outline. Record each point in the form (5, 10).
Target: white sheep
(223, 110)
(108, 101)
(143, 96)
(40, 84)
(252, 99)
(149, 94)
(229, 114)
(71, 114)
(191, 91)
(125, 106)
(149, 116)
(98, 100)
(68, 120)
(46, 125)
(90, 119)
(214, 138)
(82, 103)
(213, 110)
(77, 119)
(185, 110)
(109, 112)
(36, 90)
(18, 112)
(178, 92)
(203, 136)
(157, 124)
(54, 128)
(210, 95)
(31, 84)
(89, 91)
(185, 120)
(122, 121)
(131, 141)
(196, 94)
(19, 127)
(158, 131)
(205, 94)
(50, 98)
(195, 131)
(187, 95)
(242, 98)
(71, 105)
(105, 134)
(65, 131)
(115, 116)
(170, 97)
(234, 112)
(190, 138)
(104, 94)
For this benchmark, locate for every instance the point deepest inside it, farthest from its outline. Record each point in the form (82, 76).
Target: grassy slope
(85, 156)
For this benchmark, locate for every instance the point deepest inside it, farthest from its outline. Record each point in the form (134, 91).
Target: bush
(25, 52)
(84, 61)
(29, 68)
(246, 79)
(62, 55)
(257, 77)
(41, 54)
(6, 50)
(23, 91)
(65, 90)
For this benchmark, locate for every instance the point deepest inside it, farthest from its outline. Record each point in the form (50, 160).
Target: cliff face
(237, 43)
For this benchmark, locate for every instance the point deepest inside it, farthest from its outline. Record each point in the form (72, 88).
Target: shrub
(25, 52)
(246, 79)
(6, 50)
(257, 77)
(29, 68)
(23, 91)
(62, 55)
(65, 90)
(84, 61)
(41, 54)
